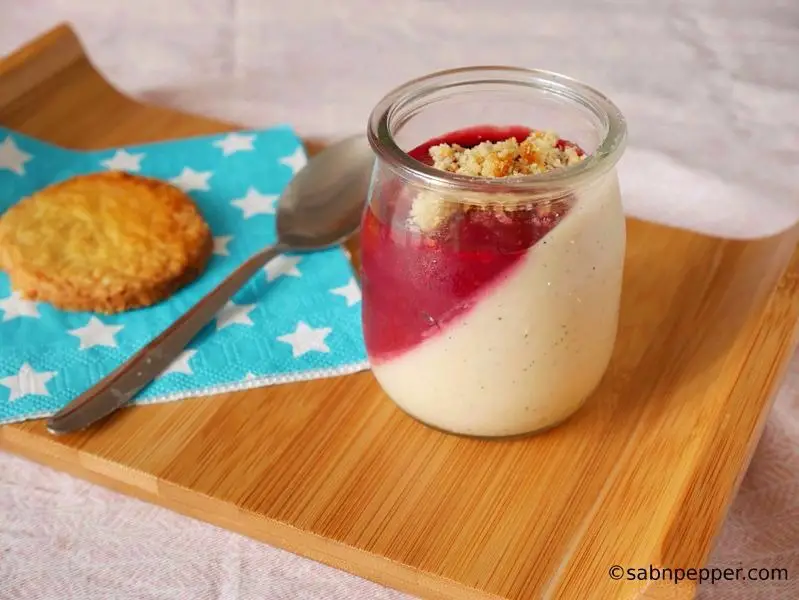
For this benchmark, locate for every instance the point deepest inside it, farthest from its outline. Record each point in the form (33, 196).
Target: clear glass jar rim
(601, 160)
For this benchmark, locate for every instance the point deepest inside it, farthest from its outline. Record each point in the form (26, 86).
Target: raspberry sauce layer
(415, 283)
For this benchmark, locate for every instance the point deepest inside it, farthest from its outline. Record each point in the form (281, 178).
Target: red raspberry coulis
(415, 283)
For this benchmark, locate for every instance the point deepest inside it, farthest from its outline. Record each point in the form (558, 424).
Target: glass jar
(490, 305)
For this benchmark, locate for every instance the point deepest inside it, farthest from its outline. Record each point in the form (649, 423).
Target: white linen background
(711, 92)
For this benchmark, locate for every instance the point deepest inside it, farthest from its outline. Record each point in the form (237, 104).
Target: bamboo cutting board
(332, 470)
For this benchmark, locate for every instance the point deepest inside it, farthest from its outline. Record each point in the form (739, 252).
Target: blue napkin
(297, 319)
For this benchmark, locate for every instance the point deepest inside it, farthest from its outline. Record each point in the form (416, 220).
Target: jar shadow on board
(490, 303)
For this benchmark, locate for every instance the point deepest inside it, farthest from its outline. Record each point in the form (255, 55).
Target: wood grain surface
(332, 470)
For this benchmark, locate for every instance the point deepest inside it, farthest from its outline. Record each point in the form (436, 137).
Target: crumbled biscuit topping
(429, 210)
(539, 153)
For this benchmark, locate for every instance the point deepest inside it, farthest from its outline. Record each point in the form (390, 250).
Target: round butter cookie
(105, 242)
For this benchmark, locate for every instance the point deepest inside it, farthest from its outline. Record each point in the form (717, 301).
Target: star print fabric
(297, 319)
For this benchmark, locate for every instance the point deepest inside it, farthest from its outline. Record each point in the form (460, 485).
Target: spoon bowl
(321, 207)
(324, 202)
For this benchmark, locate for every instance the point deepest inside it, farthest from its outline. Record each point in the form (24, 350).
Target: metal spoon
(321, 207)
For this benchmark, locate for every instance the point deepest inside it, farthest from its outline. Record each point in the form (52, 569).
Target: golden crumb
(429, 210)
(539, 153)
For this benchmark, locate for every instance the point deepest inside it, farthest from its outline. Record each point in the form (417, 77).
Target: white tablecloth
(711, 91)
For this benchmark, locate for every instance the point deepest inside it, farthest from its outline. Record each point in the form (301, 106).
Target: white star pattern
(96, 333)
(27, 382)
(220, 244)
(255, 203)
(234, 314)
(351, 292)
(190, 180)
(16, 306)
(12, 158)
(235, 142)
(123, 161)
(92, 342)
(295, 161)
(180, 364)
(305, 339)
(282, 265)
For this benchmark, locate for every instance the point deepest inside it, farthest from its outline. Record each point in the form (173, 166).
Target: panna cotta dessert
(490, 301)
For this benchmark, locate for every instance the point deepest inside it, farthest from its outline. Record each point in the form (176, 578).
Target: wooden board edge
(56, 49)
(783, 297)
(38, 60)
(228, 516)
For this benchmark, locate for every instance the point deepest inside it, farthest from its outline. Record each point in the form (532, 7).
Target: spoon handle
(118, 387)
